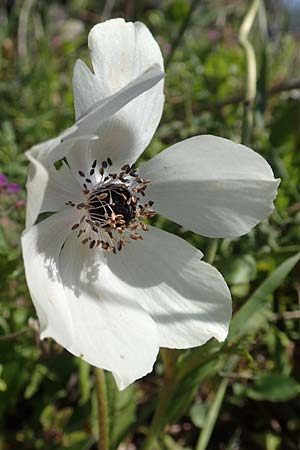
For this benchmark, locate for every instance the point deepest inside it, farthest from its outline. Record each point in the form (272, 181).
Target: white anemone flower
(107, 287)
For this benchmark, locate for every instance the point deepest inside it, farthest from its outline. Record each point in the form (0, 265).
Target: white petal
(36, 186)
(85, 128)
(120, 53)
(211, 185)
(55, 149)
(116, 141)
(70, 287)
(187, 298)
(112, 330)
(41, 246)
(86, 88)
(48, 189)
(47, 153)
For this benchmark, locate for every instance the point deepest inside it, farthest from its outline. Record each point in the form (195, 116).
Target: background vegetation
(243, 394)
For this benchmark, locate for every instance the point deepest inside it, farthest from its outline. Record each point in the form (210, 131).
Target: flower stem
(250, 93)
(212, 251)
(169, 358)
(101, 392)
(15, 335)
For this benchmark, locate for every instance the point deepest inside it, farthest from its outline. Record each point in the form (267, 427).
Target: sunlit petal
(48, 189)
(41, 246)
(112, 330)
(212, 186)
(187, 298)
(120, 53)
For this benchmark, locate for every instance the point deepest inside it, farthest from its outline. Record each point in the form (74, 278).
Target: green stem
(15, 335)
(169, 358)
(212, 416)
(101, 392)
(212, 251)
(215, 407)
(250, 93)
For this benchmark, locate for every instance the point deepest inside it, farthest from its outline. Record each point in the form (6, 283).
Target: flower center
(113, 210)
(111, 200)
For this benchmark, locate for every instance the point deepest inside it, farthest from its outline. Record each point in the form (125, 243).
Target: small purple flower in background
(9, 196)
(13, 188)
(3, 181)
(8, 188)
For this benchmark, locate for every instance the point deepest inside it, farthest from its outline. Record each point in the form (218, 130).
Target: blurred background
(244, 394)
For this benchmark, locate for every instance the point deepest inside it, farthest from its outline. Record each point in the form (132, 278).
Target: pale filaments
(112, 212)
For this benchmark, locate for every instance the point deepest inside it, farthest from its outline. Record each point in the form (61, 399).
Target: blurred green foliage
(47, 398)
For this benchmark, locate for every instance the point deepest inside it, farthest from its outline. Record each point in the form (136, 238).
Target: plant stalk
(250, 93)
(169, 358)
(15, 335)
(212, 251)
(101, 392)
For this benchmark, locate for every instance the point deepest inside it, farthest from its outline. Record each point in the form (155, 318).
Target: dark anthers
(113, 211)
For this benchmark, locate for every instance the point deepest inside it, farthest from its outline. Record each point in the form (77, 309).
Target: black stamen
(92, 244)
(112, 206)
(118, 204)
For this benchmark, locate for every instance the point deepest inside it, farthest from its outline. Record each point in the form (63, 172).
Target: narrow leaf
(212, 416)
(249, 317)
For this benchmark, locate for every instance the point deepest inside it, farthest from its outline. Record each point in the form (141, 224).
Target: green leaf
(198, 413)
(3, 241)
(239, 270)
(122, 410)
(53, 419)
(62, 417)
(212, 416)
(40, 372)
(285, 122)
(179, 9)
(84, 380)
(168, 443)
(187, 388)
(274, 387)
(3, 385)
(253, 313)
(74, 440)
(279, 346)
(214, 409)
(47, 417)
